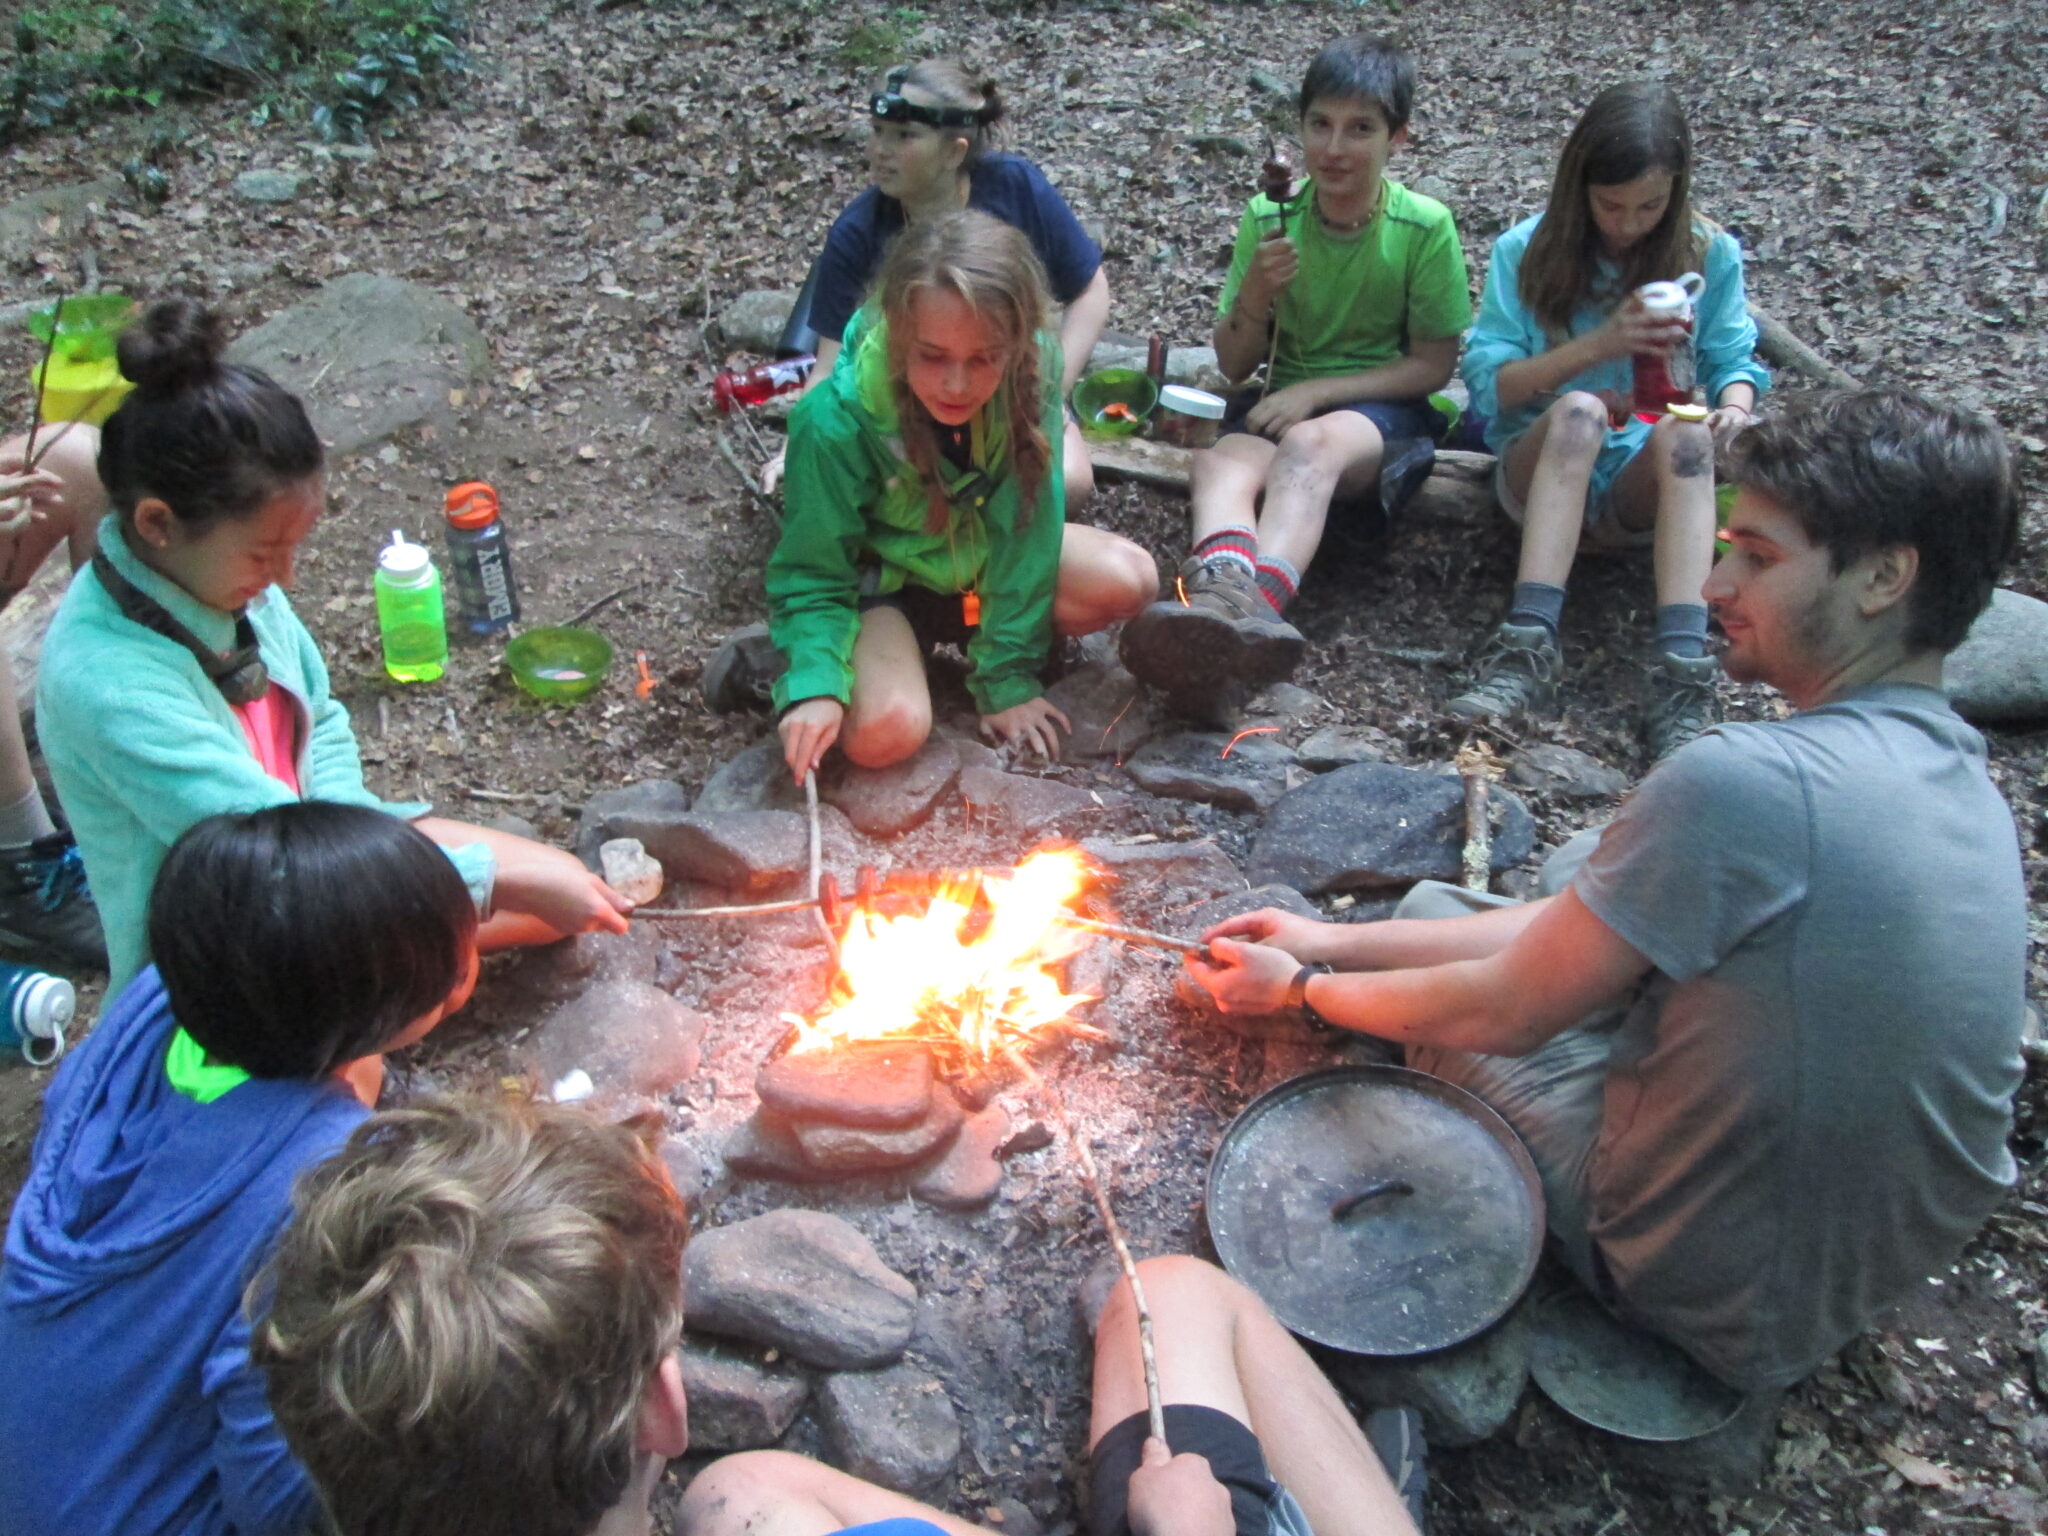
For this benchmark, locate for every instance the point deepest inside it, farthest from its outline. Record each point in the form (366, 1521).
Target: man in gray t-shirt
(1764, 1043)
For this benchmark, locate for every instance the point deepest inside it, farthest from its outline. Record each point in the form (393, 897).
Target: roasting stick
(1092, 1177)
(1141, 936)
(1476, 767)
(811, 810)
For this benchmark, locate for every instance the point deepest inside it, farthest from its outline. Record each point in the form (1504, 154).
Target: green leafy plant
(882, 39)
(341, 64)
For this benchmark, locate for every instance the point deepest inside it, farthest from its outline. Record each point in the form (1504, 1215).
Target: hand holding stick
(1276, 183)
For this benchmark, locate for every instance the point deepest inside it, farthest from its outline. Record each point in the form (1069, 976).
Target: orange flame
(947, 971)
(1180, 588)
(1250, 730)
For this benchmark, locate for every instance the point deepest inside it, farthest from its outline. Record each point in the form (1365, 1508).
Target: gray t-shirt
(1806, 1109)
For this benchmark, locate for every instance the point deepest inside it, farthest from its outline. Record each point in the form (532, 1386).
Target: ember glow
(977, 966)
(1250, 730)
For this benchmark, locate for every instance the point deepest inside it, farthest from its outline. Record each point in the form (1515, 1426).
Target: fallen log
(1459, 487)
(1782, 349)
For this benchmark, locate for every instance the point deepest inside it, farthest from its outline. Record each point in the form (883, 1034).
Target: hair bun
(993, 110)
(174, 343)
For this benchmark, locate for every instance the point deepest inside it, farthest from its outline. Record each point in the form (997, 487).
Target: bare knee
(1175, 1282)
(732, 1491)
(1687, 447)
(888, 734)
(1312, 445)
(1130, 578)
(1577, 423)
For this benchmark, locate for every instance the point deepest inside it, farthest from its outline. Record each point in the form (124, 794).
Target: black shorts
(1394, 418)
(936, 618)
(1260, 1505)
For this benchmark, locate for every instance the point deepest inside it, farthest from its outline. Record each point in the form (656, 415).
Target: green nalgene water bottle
(409, 616)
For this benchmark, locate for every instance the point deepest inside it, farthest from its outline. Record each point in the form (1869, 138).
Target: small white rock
(572, 1086)
(630, 871)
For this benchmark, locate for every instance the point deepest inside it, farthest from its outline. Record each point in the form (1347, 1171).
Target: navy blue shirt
(1007, 187)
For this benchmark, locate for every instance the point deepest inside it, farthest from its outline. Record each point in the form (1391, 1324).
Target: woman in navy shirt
(931, 152)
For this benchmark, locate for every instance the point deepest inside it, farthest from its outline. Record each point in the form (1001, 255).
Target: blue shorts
(1617, 452)
(1394, 418)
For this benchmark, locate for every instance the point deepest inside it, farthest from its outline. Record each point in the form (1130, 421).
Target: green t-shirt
(1358, 301)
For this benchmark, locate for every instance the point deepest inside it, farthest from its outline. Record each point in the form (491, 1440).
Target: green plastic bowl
(559, 665)
(91, 326)
(1111, 385)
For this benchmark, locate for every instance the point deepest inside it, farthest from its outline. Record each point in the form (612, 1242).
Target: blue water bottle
(36, 1008)
(480, 560)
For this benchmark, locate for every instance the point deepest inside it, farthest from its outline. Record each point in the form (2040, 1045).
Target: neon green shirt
(1358, 301)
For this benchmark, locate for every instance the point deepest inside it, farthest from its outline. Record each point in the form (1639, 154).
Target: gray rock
(370, 356)
(1022, 805)
(1287, 703)
(967, 1175)
(1464, 1393)
(629, 870)
(753, 322)
(764, 1147)
(629, 1036)
(756, 780)
(264, 186)
(595, 829)
(1192, 766)
(742, 671)
(1374, 824)
(895, 1427)
(554, 973)
(1565, 772)
(1196, 367)
(1189, 871)
(1109, 710)
(742, 851)
(803, 1282)
(843, 1150)
(686, 1170)
(25, 222)
(883, 1086)
(887, 802)
(2000, 671)
(514, 826)
(1339, 746)
(738, 1403)
(1285, 897)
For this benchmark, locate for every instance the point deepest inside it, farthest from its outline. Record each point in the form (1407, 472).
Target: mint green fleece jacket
(141, 744)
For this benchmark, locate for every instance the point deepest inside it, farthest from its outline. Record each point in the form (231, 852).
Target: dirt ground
(616, 170)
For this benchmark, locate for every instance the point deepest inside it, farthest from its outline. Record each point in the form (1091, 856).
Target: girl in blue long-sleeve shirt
(1548, 363)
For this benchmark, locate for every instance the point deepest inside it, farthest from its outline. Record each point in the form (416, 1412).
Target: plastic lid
(472, 505)
(1192, 402)
(1685, 411)
(399, 558)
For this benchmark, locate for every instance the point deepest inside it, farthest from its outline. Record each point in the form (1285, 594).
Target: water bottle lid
(472, 505)
(399, 558)
(1192, 402)
(1665, 298)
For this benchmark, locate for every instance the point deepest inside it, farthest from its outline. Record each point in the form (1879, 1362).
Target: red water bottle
(1665, 379)
(762, 382)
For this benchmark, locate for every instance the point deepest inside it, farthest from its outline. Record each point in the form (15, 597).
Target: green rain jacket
(855, 526)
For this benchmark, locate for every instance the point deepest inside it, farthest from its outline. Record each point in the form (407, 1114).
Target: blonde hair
(990, 267)
(463, 1317)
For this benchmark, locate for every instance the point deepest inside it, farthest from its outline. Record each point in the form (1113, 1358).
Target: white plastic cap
(1192, 402)
(401, 558)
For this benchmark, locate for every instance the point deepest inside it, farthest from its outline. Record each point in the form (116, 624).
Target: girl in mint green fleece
(177, 683)
(925, 504)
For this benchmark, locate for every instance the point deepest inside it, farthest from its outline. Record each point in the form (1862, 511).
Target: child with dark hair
(296, 945)
(932, 137)
(176, 682)
(925, 506)
(1353, 291)
(1549, 365)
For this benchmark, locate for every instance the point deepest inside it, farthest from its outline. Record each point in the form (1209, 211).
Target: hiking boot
(46, 911)
(1219, 632)
(1515, 674)
(1395, 1435)
(1680, 701)
(742, 671)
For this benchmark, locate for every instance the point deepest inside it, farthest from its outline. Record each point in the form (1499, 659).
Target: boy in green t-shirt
(1355, 286)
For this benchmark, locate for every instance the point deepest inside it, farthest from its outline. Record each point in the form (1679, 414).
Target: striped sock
(1279, 581)
(1237, 543)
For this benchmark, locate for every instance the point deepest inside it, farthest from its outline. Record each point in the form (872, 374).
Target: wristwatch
(1297, 997)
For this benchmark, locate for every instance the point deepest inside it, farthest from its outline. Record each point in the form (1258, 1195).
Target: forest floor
(614, 172)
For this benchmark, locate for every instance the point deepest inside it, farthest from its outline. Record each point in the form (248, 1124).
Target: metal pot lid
(1617, 1378)
(1376, 1209)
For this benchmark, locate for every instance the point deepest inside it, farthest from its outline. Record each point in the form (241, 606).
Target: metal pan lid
(1376, 1209)
(1617, 1378)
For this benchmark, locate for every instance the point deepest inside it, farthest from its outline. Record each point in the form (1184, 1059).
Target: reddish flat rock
(967, 1175)
(843, 1151)
(882, 1086)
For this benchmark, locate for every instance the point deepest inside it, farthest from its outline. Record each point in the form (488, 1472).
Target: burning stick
(1477, 768)
(1092, 1177)
(811, 810)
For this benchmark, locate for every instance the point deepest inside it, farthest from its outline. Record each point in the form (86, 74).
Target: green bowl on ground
(1129, 387)
(559, 665)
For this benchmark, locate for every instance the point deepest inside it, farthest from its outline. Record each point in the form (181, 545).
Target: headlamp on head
(889, 105)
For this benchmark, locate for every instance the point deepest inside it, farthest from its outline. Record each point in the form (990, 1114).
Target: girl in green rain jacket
(925, 506)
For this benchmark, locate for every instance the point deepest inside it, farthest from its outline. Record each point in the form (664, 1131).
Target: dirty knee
(1578, 422)
(889, 735)
(1688, 446)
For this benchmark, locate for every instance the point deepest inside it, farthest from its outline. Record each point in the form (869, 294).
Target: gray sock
(1538, 602)
(24, 821)
(1682, 629)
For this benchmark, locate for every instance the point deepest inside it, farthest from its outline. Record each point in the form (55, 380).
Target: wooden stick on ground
(1092, 1176)
(1779, 345)
(1476, 767)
